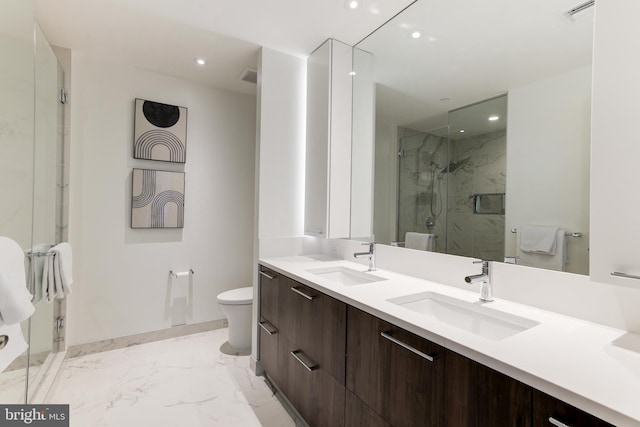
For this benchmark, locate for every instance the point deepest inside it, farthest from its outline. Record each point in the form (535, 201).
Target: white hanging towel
(542, 240)
(14, 347)
(15, 299)
(57, 277)
(547, 255)
(420, 241)
(37, 263)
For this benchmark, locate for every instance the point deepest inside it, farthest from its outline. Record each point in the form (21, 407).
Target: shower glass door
(422, 185)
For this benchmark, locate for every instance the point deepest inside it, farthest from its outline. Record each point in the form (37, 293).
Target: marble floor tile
(184, 381)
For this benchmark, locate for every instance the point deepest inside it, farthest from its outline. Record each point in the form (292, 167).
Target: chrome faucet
(371, 254)
(486, 288)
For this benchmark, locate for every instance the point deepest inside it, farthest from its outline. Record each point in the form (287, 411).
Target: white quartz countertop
(593, 367)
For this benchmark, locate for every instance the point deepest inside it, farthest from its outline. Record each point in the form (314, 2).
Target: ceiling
(166, 35)
(471, 51)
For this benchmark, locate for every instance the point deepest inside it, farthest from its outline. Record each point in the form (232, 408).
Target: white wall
(121, 283)
(281, 136)
(549, 125)
(279, 163)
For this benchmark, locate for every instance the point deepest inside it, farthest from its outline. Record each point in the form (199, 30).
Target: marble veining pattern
(469, 234)
(184, 381)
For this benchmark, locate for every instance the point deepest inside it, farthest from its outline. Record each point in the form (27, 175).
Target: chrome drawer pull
(270, 332)
(266, 275)
(557, 423)
(313, 366)
(299, 292)
(625, 275)
(429, 357)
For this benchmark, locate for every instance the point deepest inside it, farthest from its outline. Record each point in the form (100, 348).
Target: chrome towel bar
(568, 234)
(181, 273)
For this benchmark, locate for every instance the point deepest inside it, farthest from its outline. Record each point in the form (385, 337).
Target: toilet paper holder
(181, 273)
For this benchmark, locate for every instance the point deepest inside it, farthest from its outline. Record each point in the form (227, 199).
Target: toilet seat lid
(237, 296)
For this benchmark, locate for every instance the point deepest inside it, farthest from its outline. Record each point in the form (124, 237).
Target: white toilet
(236, 305)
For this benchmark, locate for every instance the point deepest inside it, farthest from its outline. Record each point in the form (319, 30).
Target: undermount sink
(345, 275)
(477, 318)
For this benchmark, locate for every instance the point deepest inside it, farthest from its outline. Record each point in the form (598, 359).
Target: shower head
(453, 166)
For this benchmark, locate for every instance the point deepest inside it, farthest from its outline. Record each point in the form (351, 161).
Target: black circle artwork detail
(161, 115)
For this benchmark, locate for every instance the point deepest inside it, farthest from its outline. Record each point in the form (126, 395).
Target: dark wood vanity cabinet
(407, 378)
(340, 366)
(316, 324)
(305, 357)
(395, 373)
(477, 396)
(549, 411)
(271, 284)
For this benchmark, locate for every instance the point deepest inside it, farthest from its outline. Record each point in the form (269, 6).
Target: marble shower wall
(482, 169)
(422, 189)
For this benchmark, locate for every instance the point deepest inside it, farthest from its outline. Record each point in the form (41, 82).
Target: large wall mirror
(482, 131)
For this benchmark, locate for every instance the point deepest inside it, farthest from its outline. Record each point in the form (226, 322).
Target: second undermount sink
(477, 317)
(345, 275)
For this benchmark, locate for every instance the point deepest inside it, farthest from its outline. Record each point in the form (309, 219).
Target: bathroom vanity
(351, 347)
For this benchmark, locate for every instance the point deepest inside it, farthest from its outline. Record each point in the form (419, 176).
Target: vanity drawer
(316, 323)
(399, 375)
(549, 411)
(271, 284)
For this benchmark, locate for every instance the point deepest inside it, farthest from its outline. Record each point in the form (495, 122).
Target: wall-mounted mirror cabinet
(482, 128)
(333, 203)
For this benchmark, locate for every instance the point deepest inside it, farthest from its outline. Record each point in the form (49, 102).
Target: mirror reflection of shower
(452, 181)
(422, 183)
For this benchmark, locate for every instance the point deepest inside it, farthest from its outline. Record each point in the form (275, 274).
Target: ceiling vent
(249, 75)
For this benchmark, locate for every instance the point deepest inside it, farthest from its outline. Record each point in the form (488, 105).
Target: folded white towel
(543, 260)
(57, 277)
(15, 299)
(420, 241)
(541, 240)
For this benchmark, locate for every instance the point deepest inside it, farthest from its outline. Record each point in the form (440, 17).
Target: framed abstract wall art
(160, 132)
(157, 199)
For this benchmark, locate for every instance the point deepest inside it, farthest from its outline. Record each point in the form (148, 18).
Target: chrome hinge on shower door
(63, 96)
(59, 324)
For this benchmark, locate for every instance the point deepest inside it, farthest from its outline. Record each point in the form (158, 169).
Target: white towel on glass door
(542, 240)
(420, 241)
(37, 263)
(15, 299)
(57, 277)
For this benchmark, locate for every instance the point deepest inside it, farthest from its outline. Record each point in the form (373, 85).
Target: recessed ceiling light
(352, 4)
(416, 34)
(461, 130)
(493, 118)
(352, 73)
(200, 61)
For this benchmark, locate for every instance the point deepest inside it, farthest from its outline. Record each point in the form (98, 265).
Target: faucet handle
(370, 244)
